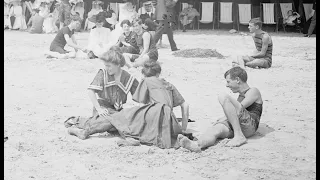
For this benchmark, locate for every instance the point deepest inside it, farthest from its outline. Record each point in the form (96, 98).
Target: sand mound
(199, 53)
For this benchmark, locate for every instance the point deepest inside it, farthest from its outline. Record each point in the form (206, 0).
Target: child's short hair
(127, 22)
(256, 22)
(237, 72)
(151, 68)
(114, 57)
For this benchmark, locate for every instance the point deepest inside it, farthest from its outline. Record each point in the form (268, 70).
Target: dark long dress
(154, 123)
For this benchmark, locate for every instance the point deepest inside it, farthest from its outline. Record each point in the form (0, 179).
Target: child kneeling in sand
(65, 36)
(242, 116)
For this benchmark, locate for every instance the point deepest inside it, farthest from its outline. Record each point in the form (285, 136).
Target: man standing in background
(313, 20)
(164, 14)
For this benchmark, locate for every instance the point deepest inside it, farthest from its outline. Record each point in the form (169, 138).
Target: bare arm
(146, 43)
(94, 100)
(265, 42)
(102, 111)
(251, 96)
(185, 115)
(71, 42)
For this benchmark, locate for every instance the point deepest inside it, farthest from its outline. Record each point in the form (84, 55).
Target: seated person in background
(99, 37)
(36, 22)
(127, 41)
(96, 8)
(242, 116)
(110, 19)
(262, 56)
(187, 15)
(292, 16)
(49, 24)
(77, 10)
(65, 36)
(146, 44)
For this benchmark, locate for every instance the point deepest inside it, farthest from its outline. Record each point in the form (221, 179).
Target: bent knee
(223, 97)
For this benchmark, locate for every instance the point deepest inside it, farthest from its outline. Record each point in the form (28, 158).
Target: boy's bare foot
(188, 144)
(237, 141)
(80, 133)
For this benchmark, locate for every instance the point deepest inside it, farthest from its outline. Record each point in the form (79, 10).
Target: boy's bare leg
(231, 108)
(257, 63)
(206, 140)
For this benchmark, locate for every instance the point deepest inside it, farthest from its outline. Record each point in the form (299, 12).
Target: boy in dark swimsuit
(262, 56)
(242, 116)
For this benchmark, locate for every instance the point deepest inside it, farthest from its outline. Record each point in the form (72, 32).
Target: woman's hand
(103, 112)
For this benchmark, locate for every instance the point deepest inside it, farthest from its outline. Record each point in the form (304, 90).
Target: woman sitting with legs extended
(146, 44)
(108, 93)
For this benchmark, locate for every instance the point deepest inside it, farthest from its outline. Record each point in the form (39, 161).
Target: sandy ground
(39, 94)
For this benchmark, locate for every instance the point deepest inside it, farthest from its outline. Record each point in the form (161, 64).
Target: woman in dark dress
(146, 44)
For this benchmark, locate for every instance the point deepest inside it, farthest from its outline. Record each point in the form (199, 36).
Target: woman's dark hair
(151, 68)
(114, 57)
(127, 22)
(100, 18)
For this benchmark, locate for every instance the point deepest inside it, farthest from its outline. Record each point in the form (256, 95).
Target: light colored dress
(49, 25)
(20, 22)
(99, 40)
(6, 16)
(125, 12)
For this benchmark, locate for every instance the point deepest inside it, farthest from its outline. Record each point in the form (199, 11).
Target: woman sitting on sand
(99, 37)
(128, 39)
(65, 36)
(152, 123)
(108, 93)
(146, 44)
(96, 8)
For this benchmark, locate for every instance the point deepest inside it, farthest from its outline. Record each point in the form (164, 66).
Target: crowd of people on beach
(130, 42)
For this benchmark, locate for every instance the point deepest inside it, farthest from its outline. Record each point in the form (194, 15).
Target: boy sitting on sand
(242, 116)
(65, 36)
(262, 56)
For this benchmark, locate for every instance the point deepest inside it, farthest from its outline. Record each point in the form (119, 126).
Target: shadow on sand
(263, 130)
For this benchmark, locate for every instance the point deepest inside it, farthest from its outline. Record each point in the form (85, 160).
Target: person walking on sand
(242, 116)
(262, 56)
(163, 15)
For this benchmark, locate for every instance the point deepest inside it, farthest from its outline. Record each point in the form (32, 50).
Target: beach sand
(40, 93)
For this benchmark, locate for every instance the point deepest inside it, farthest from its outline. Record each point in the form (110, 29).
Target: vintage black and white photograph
(160, 89)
